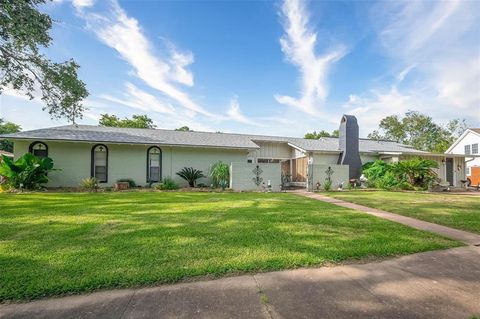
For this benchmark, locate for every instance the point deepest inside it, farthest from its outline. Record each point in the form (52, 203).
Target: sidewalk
(439, 284)
(460, 235)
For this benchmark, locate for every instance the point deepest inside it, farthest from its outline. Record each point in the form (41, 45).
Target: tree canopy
(7, 128)
(137, 121)
(317, 135)
(183, 129)
(24, 30)
(420, 131)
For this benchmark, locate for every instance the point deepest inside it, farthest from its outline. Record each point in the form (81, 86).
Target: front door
(449, 168)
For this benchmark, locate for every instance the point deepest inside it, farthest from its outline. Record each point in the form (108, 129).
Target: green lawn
(457, 211)
(60, 243)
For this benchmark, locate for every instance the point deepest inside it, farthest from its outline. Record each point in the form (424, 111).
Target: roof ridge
(207, 132)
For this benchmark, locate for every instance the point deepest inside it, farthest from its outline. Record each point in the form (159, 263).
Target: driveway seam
(264, 302)
(128, 304)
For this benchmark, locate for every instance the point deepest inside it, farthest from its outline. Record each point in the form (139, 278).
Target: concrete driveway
(440, 284)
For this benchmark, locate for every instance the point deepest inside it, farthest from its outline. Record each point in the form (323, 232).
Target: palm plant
(418, 171)
(220, 174)
(191, 175)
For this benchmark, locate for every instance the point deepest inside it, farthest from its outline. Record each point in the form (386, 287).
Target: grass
(60, 243)
(457, 211)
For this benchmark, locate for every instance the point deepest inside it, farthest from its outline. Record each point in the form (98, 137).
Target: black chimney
(348, 144)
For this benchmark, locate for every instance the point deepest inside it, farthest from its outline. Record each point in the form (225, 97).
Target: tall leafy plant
(27, 172)
(191, 175)
(407, 174)
(417, 171)
(220, 174)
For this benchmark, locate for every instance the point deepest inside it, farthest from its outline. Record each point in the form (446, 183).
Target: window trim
(471, 148)
(467, 147)
(148, 164)
(92, 162)
(32, 145)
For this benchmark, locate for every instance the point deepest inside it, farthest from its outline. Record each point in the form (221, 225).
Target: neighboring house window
(268, 160)
(468, 171)
(467, 149)
(39, 149)
(154, 165)
(475, 148)
(99, 163)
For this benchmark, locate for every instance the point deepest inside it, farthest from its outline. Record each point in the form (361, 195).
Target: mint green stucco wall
(127, 161)
(318, 171)
(242, 177)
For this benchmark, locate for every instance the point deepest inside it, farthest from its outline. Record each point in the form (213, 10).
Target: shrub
(131, 182)
(327, 185)
(220, 174)
(375, 170)
(415, 173)
(191, 175)
(167, 184)
(387, 181)
(89, 184)
(27, 172)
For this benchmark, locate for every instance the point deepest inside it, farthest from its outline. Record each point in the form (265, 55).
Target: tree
(137, 121)
(420, 131)
(7, 128)
(183, 129)
(322, 133)
(23, 31)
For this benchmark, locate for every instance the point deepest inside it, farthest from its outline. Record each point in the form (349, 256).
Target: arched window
(99, 163)
(154, 165)
(39, 149)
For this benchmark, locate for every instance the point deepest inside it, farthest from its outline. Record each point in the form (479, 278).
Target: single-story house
(468, 144)
(256, 161)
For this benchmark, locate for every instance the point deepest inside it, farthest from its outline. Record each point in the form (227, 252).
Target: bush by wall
(167, 184)
(220, 174)
(89, 184)
(415, 173)
(27, 172)
(190, 174)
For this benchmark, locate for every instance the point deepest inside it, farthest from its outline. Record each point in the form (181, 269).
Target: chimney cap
(347, 117)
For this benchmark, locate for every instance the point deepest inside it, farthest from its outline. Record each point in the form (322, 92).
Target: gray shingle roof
(90, 133)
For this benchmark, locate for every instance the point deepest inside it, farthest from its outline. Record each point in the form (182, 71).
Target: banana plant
(27, 172)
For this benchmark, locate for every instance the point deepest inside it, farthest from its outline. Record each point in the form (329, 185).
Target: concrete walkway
(440, 284)
(460, 235)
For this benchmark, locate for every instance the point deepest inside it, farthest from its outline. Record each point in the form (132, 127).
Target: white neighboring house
(468, 143)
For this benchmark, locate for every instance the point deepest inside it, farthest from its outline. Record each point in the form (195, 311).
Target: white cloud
(124, 34)
(235, 114)
(139, 99)
(79, 4)
(298, 44)
(375, 105)
(433, 46)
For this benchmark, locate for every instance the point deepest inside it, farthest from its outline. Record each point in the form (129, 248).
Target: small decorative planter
(121, 186)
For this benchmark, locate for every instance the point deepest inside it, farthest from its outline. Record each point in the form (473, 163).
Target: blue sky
(266, 67)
